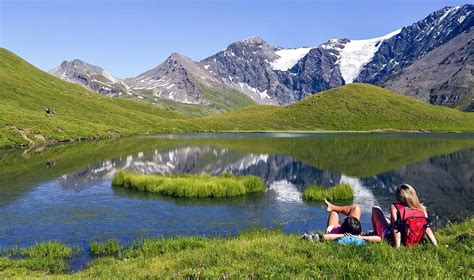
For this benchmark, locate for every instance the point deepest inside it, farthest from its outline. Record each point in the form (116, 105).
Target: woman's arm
(372, 238)
(333, 236)
(396, 234)
(430, 234)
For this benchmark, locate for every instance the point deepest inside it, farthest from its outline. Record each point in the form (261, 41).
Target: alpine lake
(64, 192)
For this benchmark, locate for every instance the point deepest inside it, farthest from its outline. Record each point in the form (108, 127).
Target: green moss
(338, 192)
(189, 185)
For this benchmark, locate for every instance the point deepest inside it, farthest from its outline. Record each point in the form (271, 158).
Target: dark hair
(351, 225)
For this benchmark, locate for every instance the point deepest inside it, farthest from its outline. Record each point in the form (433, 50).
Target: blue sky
(130, 37)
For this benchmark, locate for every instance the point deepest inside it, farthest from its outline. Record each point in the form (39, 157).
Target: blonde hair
(406, 195)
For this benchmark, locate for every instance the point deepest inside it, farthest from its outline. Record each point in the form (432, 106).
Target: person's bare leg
(348, 210)
(379, 222)
(333, 219)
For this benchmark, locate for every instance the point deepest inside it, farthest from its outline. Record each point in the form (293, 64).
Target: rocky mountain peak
(90, 76)
(249, 46)
(415, 41)
(252, 40)
(178, 57)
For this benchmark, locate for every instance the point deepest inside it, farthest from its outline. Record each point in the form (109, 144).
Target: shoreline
(391, 132)
(260, 253)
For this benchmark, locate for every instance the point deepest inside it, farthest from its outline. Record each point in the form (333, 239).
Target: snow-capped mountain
(91, 77)
(273, 75)
(415, 41)
(443, 76)
(249, 66)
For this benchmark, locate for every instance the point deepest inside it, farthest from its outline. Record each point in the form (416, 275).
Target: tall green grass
(266, 254)
(48, 256)
(109, 248)
(190, 185)
(338, 192)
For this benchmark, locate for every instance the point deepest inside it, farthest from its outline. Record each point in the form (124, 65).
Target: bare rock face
(91, 77)
(317, 71)
(415, 41)
(170, 80)
(246, 67)
(443, 76)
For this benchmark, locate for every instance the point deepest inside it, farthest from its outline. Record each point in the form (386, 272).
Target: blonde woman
(409, 219)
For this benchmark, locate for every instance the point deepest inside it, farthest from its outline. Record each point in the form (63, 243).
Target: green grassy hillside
(353, 107)
(25, 92)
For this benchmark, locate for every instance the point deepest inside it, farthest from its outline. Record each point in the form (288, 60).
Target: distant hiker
(409, 221)
(349, 232)
(48, 111)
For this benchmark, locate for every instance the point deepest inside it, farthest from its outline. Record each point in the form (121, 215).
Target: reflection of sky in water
(82, 205)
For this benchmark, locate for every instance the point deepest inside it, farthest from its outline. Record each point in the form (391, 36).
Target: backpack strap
(400, 222)
(428, 223)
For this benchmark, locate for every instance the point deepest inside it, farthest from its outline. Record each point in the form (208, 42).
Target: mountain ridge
(281, 76)
(81, 114)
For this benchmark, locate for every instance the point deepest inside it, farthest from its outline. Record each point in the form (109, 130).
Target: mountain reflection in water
(64, 192)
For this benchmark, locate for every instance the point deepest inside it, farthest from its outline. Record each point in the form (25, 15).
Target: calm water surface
(64, 192)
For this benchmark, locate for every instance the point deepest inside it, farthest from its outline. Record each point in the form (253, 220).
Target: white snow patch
(288, 58)
(357, 53)
(362, 195)
(108, 76)
(170, 86)
(448, 11)
(285, 191)
(263, 94)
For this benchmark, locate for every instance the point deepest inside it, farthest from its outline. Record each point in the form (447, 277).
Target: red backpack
(412, 224)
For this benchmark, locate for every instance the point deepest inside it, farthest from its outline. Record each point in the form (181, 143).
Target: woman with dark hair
(350, 226)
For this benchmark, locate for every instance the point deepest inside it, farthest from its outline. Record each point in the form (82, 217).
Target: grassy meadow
(190, 185)
(26, 91)
(354, 107)
(338, 192)
(256, 254)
